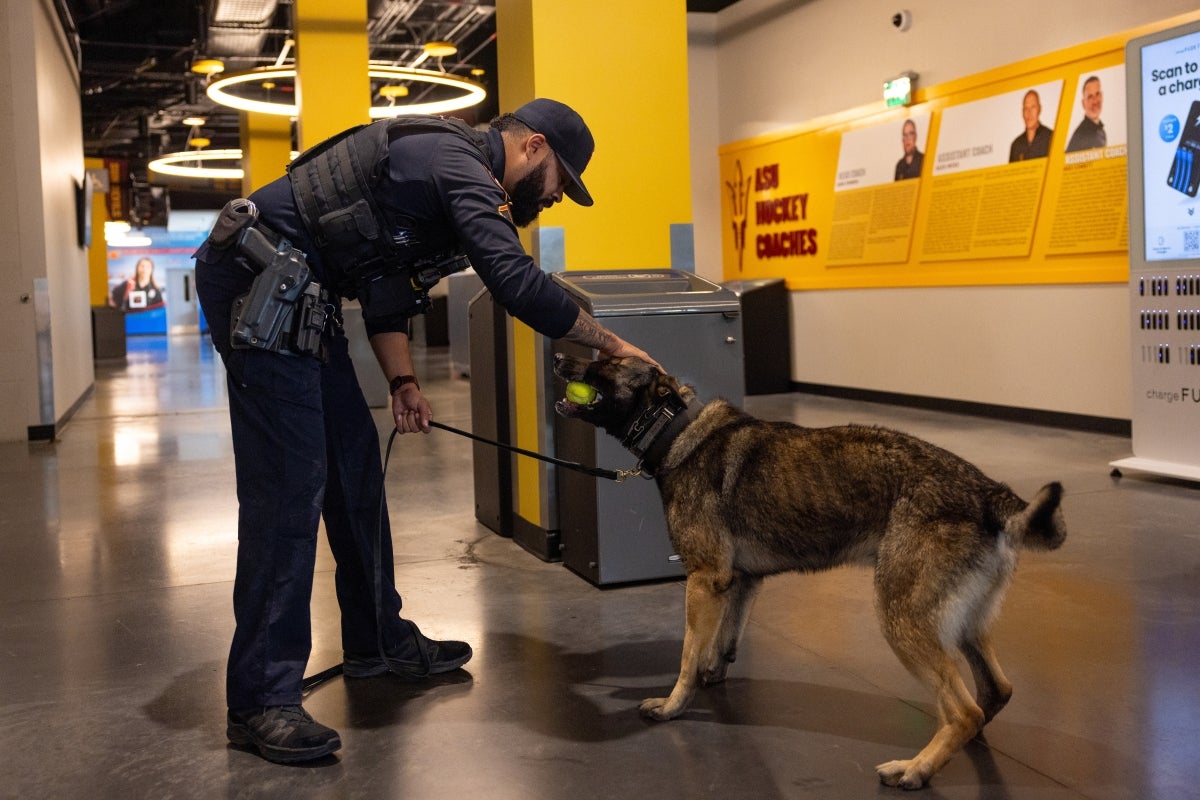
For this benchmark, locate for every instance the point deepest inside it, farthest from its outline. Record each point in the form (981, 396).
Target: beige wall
(41, 158)
(758, 66)
(781, 62)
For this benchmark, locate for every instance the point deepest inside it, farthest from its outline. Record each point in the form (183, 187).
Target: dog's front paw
(657, 708)
(903, 774)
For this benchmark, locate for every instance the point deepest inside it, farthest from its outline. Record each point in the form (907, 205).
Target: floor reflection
(117, 545)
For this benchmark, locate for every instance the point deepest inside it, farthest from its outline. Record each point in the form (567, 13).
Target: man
(909, 165)
(1034, 142)
(378, 213)
(1090, 132)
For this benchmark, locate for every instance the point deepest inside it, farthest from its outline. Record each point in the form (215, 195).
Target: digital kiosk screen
(1170, 127)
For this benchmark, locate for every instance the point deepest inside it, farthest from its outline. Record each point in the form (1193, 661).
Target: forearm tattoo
(587, 331)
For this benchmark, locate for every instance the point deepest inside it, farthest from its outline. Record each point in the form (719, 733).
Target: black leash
(315, 680)
(596, 472)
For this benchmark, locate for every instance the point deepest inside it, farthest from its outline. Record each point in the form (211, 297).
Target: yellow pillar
(266, 148)
(97, 250)
(588, 55)
(333, 90)
(629, 82)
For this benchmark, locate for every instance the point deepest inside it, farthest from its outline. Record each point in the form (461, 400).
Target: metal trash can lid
(740, 287)
(650, 291)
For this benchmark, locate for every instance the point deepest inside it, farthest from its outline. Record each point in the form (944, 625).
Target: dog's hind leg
(925, 616)
(741, 594)
(992, 689)
(706, 607)
(959, 719)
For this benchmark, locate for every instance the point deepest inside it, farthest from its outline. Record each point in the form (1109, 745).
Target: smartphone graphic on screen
(1185, 169)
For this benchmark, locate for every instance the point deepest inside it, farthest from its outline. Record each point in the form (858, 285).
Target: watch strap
(397, 382)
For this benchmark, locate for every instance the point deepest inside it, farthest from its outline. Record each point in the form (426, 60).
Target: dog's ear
(667, 386)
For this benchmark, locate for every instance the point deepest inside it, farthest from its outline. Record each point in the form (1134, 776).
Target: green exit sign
(898, 90)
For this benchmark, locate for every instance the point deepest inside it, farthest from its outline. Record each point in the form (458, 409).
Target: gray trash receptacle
(489, 413)
(108, 333)
(617, 533)
(766, 334)
(461, 288)
(370, 378)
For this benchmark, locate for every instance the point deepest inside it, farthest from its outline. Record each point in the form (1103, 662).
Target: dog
(746, 498)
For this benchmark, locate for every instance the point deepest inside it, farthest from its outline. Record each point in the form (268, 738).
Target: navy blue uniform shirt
(440, 194)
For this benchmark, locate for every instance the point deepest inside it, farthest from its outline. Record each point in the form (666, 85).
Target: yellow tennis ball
(580, 393)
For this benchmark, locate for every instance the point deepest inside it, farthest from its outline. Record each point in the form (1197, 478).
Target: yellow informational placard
(1015, 175)
(873, 225)
(983, 213)
(1090, 215)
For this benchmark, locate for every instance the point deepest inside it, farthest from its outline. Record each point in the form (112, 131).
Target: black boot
(283, 734)
(417, 657)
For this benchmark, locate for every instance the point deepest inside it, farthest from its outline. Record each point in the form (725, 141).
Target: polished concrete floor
(117, 548)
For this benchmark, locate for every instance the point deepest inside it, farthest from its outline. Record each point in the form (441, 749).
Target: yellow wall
(588, 56)
(97, 255)
(807, 157)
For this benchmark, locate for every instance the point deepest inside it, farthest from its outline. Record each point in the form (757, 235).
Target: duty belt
(285, 311)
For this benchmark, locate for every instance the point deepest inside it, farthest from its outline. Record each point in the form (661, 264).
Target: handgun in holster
(285, 310)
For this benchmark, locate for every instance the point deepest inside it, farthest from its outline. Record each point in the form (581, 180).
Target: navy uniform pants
(305, 447)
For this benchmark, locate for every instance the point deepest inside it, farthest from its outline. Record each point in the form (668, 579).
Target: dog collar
(650, 436)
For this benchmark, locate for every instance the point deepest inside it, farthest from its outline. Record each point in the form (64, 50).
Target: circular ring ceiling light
(470, 92)
(188, 164)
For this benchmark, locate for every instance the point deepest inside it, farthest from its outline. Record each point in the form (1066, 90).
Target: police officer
(378, 212)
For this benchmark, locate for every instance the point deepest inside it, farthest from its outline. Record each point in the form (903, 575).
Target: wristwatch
(398, 381)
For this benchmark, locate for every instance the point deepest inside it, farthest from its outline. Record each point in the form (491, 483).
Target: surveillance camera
(902, 20)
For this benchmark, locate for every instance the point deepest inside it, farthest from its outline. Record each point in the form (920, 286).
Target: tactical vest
(334, 181)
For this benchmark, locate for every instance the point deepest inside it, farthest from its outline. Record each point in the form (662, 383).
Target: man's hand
(590, 333)
(624, 349)
(411, 410)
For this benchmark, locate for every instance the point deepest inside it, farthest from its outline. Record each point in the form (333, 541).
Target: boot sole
(371, 669)
(241, 736)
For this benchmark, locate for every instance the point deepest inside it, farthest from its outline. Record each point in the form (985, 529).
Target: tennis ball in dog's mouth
(580, 393)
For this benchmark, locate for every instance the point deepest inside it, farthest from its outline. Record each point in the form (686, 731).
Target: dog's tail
(1040, 526)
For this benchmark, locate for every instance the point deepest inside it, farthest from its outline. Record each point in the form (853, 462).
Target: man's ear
(534, 145)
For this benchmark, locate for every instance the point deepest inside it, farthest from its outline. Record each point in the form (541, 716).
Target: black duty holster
(285, 311)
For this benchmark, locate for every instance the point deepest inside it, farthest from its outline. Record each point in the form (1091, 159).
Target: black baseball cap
(568, 136)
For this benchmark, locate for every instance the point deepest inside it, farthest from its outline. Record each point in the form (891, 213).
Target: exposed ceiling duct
(239, 27)
(136, 76)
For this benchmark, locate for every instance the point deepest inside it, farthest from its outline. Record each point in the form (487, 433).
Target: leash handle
(596, 472)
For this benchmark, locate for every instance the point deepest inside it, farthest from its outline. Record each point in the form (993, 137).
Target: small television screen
(1165, 76)
(83, 211)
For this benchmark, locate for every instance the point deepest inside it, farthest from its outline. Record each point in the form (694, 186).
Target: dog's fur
(746, 498)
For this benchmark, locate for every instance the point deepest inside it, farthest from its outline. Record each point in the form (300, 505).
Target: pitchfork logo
(739, 195)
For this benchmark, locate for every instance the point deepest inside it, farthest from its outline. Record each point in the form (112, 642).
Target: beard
(526, 198)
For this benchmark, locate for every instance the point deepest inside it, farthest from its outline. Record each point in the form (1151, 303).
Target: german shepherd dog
(746, 498)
